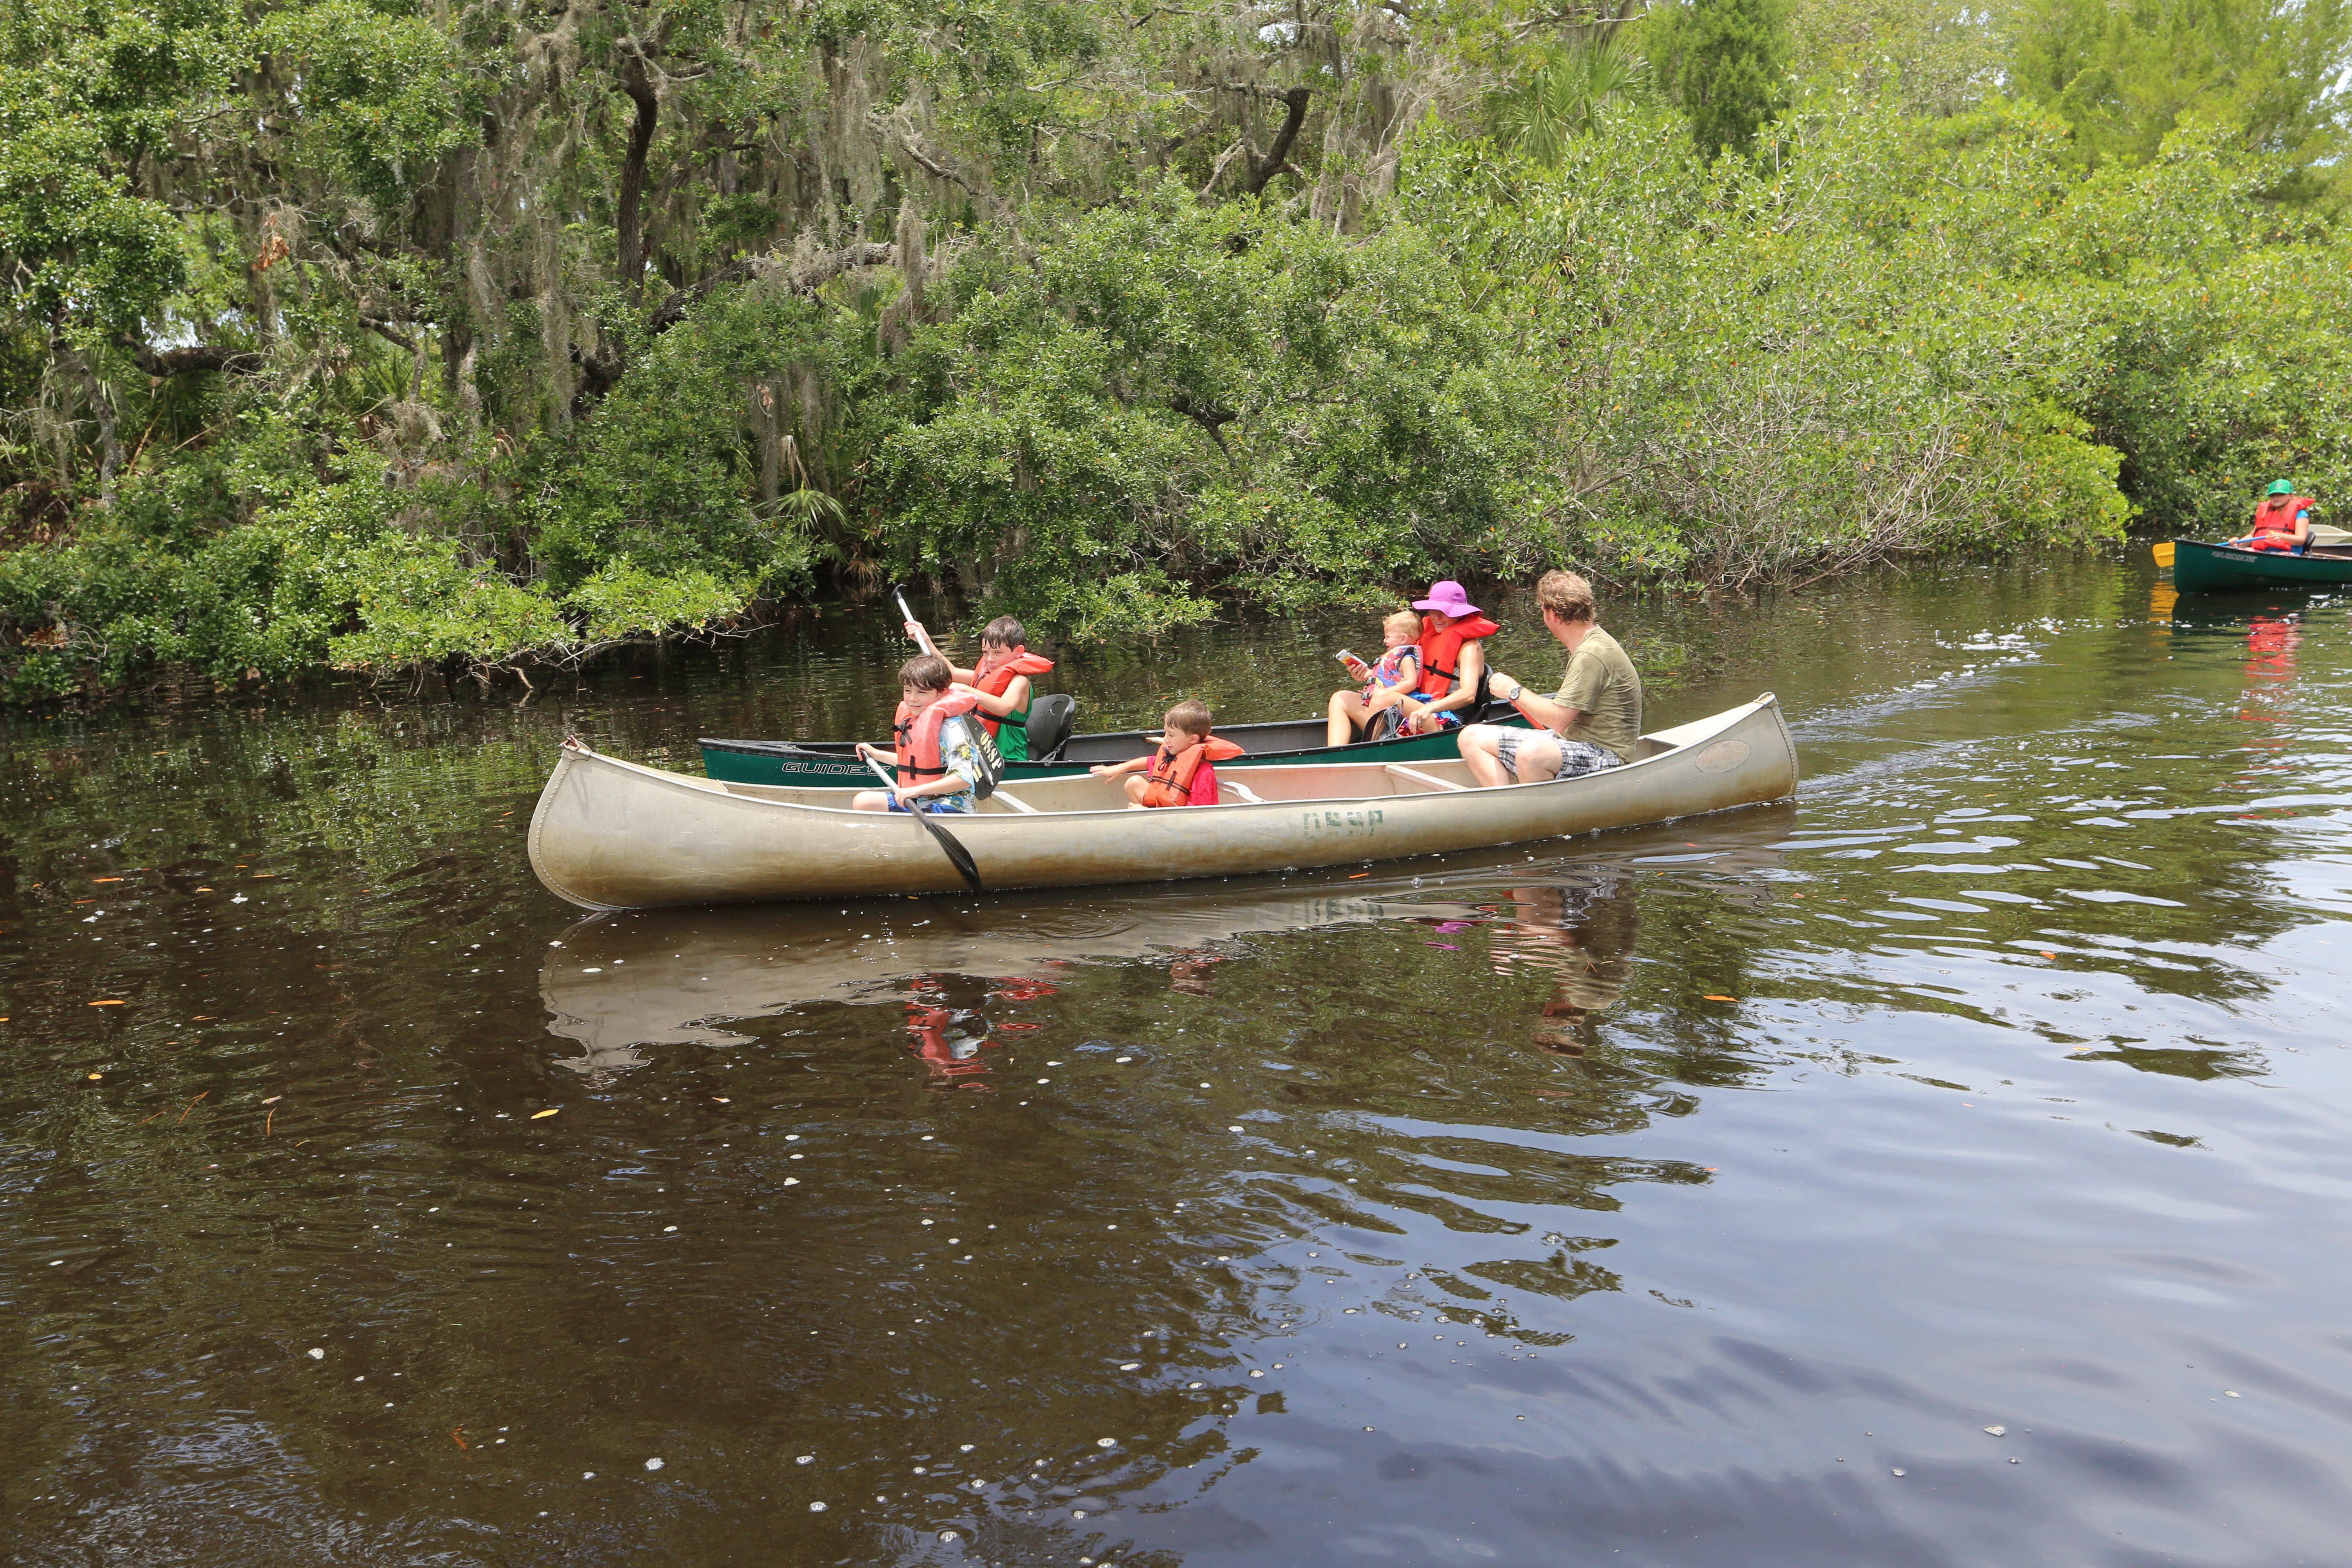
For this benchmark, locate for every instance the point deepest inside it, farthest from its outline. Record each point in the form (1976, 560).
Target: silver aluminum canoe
(613, 835)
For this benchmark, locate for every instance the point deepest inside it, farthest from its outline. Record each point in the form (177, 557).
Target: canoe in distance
(2218, 569)
(613, 835)
(810, 764)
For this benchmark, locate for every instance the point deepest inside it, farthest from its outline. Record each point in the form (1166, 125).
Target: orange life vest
(1441, 652)
(994, 682)
(2275, 518)
(918, 738)
(1179, 780)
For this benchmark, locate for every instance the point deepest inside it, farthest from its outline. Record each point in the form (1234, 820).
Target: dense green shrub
(340, 333)
(1180, 393)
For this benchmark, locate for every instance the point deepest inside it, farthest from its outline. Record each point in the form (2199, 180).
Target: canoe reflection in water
(621, 982)
(962, 969)
(1584, 935)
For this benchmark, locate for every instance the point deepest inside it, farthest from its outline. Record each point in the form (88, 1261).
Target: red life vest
(2276, 514)
(2275, 522)
(918, 738)
(1186, 778)
(994, 682)
(1441, 652)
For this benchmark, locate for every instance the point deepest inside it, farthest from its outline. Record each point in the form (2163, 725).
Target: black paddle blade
(957, 855)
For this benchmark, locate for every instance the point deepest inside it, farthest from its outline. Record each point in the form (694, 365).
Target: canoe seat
(1016, 802)
(1241, 790)
(1050, 718)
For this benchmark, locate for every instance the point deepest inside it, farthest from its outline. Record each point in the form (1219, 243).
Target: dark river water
(1949, 1167)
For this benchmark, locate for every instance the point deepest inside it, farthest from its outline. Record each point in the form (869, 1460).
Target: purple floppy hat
(1446, 597)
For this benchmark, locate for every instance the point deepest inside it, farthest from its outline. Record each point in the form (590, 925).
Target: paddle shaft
(957, 855)
(900, 594)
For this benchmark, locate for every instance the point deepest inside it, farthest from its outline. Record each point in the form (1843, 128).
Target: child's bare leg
(870, 800)
(1135, 785)
(1347, 712)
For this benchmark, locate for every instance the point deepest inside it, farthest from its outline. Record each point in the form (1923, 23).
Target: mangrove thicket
(398, 334)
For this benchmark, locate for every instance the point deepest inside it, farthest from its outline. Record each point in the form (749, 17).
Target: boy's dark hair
(1567, 595)
(1192, 716)
(926, 672)
(1004, 631)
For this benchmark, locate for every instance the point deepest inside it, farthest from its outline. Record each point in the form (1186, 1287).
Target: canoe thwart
(1417, 776)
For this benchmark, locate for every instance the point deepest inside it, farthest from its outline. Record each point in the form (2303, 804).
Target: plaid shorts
(1576, 757)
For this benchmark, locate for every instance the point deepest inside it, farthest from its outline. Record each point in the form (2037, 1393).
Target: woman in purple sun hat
(1453, 664)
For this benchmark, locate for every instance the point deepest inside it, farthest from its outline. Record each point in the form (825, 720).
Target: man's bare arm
(1555, 716)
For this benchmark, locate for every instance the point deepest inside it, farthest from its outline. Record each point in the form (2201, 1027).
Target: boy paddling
(1589, 724)
(1000, 681)
(937, 758)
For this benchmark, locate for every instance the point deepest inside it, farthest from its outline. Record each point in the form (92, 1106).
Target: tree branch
(1209, 416)
(191, 361)
(389, 332)
(802, 274)
(1279, 158)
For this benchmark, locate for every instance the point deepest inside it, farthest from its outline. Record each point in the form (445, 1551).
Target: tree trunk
(102, 406)
(1277, 159)
(771, 457)
(629, 216)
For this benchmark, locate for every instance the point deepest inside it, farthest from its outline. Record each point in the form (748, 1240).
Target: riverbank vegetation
(397, 336)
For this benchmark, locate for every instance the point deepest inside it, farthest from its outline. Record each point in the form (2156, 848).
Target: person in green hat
(2282, 520)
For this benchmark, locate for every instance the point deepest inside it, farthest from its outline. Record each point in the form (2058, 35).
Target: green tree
(380, 334)
(1727, 63)
(2125, 75)
(1182, 392)
(1564, 94)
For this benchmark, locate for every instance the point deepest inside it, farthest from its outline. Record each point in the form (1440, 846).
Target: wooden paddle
(956, 853)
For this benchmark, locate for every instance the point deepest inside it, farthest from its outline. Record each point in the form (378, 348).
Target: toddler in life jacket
(1399, 671)
(1182, 771)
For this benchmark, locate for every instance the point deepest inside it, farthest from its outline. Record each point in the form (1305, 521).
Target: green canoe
(807, 765)
(2219, 569)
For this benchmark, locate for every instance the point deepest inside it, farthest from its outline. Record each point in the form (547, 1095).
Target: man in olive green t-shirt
(1592, 722)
